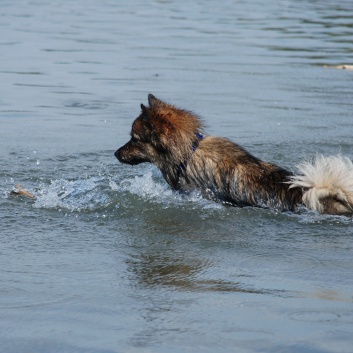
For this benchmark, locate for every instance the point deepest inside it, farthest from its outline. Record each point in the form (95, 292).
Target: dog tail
(327, 184)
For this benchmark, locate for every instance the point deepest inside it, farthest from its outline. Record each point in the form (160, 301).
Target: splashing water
(92, 194)
(144, 186)
(105, 193)
(74, 195)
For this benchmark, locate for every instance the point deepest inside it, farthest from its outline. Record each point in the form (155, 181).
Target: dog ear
(152, 100)
(144, 110)
(145, 116)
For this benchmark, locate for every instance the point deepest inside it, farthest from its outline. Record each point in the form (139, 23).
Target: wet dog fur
(173, 139)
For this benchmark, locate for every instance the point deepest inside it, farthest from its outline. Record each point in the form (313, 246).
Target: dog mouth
(121, 158)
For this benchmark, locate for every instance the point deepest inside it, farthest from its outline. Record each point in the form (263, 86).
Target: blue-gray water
(107, 258)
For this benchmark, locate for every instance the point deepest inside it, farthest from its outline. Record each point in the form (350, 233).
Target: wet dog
(173, 139)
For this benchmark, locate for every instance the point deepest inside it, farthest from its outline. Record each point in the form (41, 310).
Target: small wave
(151, 186)
(105, 194)
(145, 186)
(99, 193)
(74, 195)
(306, 216)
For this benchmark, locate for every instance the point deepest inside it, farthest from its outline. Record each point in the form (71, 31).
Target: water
(107, 258)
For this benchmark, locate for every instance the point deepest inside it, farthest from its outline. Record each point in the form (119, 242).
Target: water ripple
(322, 316)
(295, 262)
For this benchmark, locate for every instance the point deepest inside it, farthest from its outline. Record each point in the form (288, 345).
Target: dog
(173, 139)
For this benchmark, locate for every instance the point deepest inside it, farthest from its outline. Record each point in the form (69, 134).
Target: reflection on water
(107, 258)
(183, 274)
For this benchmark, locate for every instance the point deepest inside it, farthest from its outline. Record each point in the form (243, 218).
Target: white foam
(74, 195)
(94, 193)
(151, 186)
(145, 186)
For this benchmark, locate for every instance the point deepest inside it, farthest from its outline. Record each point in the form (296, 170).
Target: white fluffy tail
(327, 184)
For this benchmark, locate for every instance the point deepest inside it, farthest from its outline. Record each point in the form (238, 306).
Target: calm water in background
(107, 258)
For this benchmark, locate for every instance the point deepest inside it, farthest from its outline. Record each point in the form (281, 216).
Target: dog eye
(135, 137)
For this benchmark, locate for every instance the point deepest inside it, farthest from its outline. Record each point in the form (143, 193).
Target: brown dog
(174, 141)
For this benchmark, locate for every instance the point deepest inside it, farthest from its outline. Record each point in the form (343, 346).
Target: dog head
(160, 132)
(139, 149)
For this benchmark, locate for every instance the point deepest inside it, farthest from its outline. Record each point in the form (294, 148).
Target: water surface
(107, 258)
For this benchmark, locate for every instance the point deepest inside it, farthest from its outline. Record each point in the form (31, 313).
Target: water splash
(151, 187)
(107, 193)
(74, 195)
(93, 194)
(145, 186)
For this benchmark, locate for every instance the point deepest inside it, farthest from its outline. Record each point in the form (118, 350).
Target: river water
(107, 258)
